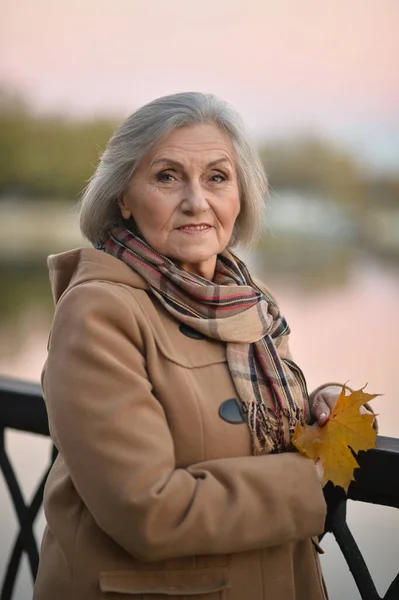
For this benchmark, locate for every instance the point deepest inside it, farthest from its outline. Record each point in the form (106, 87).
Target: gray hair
(142, 131)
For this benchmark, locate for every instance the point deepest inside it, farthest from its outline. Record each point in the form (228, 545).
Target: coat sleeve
(113, 435)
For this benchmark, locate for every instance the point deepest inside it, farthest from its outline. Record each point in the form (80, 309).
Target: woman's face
(184, 197)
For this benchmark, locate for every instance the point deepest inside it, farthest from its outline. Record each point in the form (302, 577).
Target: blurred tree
(52, 156)
(313, 165)
(385, 188)
(15, 122)
(63, 154)
(46, 155)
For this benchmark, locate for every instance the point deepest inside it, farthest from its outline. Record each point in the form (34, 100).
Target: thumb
(321, 411)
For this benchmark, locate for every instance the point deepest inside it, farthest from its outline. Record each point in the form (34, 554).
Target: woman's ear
(123, 206)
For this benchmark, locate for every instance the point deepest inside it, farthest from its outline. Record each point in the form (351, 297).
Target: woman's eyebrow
(179, 165)
(169, 161)
(218, 161)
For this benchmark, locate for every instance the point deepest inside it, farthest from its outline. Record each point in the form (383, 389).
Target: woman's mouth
(195, 228)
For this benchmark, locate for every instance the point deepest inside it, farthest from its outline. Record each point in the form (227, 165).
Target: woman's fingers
(322, 412)
(324, 402)
(322, 405)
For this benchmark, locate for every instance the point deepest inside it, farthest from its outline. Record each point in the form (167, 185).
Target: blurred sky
(330, 66)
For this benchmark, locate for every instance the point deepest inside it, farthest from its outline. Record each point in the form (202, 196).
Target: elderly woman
(169, 385)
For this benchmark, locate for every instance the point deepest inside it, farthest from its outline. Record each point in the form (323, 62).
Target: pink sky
(326, 64)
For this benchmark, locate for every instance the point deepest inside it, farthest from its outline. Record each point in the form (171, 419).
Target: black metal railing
(377, 483)
(22, 408)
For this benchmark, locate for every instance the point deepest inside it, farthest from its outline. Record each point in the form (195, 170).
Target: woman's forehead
(200, 142)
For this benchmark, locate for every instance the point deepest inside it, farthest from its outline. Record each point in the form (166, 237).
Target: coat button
(231, 411)
(190, 332)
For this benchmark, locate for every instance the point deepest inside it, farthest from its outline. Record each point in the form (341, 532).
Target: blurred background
(317, 84)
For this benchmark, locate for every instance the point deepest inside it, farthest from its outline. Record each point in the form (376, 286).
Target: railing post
(21, 408)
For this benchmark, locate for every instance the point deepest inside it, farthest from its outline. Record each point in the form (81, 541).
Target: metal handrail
(374, 485)
(22, 408)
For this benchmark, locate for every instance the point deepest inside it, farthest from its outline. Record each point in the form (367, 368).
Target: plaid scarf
(232, 309)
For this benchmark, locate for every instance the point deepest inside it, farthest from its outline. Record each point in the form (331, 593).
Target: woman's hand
(324, 402)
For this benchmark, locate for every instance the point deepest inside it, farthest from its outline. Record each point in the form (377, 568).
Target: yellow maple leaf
(346, 428)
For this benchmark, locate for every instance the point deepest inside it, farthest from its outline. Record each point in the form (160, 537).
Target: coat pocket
(206, 583)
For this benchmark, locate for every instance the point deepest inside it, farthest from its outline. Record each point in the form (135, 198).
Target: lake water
(343, 317)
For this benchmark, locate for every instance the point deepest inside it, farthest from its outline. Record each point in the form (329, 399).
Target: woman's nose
(194, 200)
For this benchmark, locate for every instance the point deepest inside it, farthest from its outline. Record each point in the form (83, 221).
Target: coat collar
(82, 265)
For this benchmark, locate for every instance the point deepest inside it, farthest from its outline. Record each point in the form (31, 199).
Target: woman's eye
(218, 178)
(165, 177)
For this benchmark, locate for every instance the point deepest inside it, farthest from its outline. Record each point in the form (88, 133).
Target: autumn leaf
(346, 428)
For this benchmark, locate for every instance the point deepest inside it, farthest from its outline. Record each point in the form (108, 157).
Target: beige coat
(153, 494)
